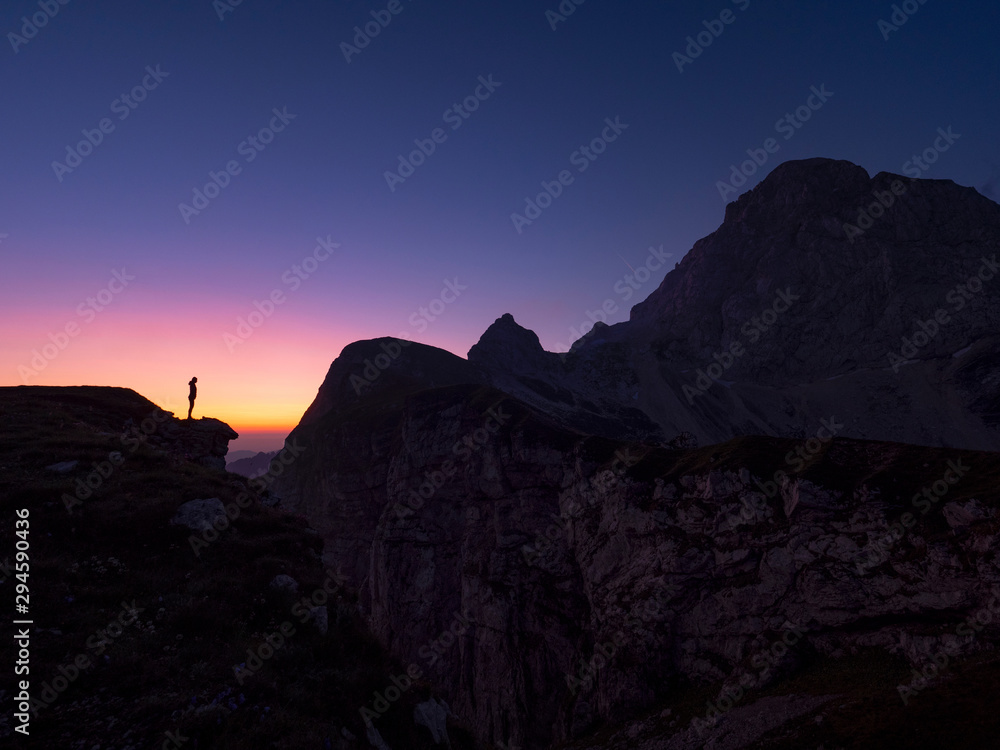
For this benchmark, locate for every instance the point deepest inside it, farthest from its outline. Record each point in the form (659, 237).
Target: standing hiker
(192, 395)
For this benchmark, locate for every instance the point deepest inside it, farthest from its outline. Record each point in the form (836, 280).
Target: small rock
(434, 716)
(284, 582)
(199, 515)
(62, 467)
(375, 739)
(321, 619)
(959, 515)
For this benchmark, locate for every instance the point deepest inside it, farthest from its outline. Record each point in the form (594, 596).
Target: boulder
(199, 515)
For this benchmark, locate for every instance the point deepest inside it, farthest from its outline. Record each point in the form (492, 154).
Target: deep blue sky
(324, 175)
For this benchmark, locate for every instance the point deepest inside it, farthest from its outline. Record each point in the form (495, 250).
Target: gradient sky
(323, 176)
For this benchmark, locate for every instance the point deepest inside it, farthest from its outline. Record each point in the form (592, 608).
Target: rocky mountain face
(553, 550)
(173, 605)
(517, 525)
(790, 312)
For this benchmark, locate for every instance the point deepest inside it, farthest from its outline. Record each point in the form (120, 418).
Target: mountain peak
(506, 343)
(800, 184)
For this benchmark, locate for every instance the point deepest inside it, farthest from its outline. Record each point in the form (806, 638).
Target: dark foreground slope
(115, 585)
(620, 594)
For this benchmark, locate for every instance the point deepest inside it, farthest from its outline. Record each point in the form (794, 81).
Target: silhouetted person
(192, 395)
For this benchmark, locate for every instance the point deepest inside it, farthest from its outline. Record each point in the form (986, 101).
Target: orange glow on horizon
(261, 385)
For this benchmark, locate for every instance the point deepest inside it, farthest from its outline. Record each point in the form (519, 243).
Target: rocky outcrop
(204, 440)
(560, 550)
(517, 525)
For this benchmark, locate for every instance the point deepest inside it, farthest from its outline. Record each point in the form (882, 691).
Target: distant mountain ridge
(774, 322)
(252, 466)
